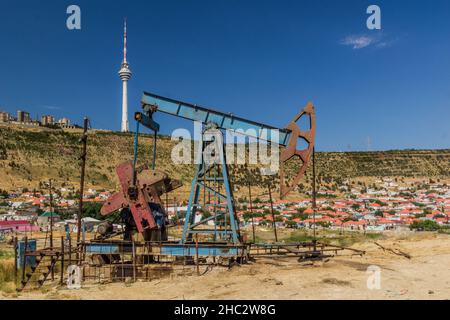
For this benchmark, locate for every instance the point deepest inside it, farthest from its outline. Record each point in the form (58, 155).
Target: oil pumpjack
(141, 188)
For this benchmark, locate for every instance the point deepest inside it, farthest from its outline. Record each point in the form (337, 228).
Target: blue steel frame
(197, 183)
(172, 249)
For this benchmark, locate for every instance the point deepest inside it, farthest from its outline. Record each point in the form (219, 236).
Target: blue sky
(262, 60)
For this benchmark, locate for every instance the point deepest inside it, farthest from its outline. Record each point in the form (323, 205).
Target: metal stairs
(37, 274)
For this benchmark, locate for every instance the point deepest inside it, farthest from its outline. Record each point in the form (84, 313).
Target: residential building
(4, 116)
(47, 120)
(23, 117)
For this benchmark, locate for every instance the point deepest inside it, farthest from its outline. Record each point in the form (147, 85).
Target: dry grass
(337, 282)
(334, 237)
(7, 284)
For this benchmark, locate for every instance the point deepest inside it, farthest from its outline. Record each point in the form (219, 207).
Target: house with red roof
(442, 221)
(355, 225)
(18, 225)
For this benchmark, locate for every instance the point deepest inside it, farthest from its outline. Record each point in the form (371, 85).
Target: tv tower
(125, 75)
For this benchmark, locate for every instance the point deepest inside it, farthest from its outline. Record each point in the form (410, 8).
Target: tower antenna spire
(125, 75)
(125, 40)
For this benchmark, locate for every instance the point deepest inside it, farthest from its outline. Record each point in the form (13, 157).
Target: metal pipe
(62, 261)
(15, 260)
(167, 203)
(70, 249)
(51, 213)
(136, 146)
(155, 136)
(196, 254)
(134, 262)
(314, 198)
(24, 262)
(83, 169)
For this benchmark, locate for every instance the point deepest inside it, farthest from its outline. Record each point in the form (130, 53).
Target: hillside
(30, 157)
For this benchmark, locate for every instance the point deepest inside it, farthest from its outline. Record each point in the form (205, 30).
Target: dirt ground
(426, 275)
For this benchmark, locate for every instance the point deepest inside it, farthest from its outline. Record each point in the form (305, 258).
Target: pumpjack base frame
(167, 248)
(237, 252)
(118, 260)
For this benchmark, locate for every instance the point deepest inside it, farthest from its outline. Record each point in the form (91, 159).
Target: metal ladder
(46, 261)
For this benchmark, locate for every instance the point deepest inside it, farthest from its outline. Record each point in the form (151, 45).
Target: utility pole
(155, 138)
(251, 211)
(51, 221)
(273, 215)
(51, 212)
(314, 197)
(83, 141)
(445, 214)
(175, 208)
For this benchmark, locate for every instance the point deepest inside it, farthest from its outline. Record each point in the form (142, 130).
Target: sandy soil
(425, 276)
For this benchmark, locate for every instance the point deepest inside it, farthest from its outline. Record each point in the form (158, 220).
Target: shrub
(425, 225)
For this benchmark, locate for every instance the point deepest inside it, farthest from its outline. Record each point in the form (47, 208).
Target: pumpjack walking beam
(287, 138)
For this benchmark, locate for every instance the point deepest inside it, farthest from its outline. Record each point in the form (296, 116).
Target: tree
(291, 224)
(425, 225)
(241, 200)
(248, 215)
(301, 216)
(324, 224)
(3, 194)
(92, 210)
(378, 213)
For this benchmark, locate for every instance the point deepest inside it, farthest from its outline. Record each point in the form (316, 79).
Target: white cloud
(358, 42)
(378, 40)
